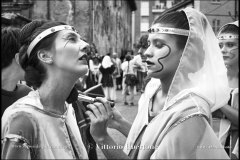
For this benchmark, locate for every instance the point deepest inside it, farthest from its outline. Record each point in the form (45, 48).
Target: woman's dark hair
(230, 28)
(10, 45)
(176, 19)
(35, 72)
(143, 42)
(128, 57)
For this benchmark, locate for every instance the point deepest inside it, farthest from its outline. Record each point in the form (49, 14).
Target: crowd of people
(110, 71)
(187, 77)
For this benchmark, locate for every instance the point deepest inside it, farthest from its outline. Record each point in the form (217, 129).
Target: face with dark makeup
(162, 54)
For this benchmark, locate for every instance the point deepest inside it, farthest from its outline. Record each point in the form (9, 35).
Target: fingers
(98, 111)
(91, 116)
(100, 107)
(106, 104)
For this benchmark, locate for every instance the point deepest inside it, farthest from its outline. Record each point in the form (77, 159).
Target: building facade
(107, 24)
(218, 12)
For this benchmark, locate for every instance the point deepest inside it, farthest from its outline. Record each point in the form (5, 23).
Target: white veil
(106, 62)
(201, 69)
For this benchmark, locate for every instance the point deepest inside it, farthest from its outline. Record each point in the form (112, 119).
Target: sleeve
(91, 65)
(191, 139)
(18, 138)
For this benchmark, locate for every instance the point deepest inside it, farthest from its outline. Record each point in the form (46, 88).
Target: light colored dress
(222, 126)
(182, 131)
(45, 135)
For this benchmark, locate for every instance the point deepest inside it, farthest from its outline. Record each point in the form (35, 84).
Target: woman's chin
(84, 71)
(153, 74)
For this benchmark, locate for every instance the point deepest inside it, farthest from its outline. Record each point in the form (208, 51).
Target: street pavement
(129, 112)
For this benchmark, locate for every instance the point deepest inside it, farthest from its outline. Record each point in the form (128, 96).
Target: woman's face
(70, 53)
(163, 55)
(229, 48)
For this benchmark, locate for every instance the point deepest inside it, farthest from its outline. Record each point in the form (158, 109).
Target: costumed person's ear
(45, 57)
(17, 58)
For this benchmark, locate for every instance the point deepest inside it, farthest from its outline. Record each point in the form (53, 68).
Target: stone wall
(106, 23)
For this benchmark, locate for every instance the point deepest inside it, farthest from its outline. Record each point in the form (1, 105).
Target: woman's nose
(83, 45)
(148, 52)
(224, 49)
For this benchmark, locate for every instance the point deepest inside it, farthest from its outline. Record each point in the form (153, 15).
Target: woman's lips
(83, 59)
(226, 57)
(149, 62)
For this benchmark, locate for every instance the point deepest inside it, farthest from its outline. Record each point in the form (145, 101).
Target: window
(215, 2)
(144, 24)
(216, 25)
(144, 8)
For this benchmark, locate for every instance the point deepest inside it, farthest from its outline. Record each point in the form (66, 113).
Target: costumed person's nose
(224, 50)
(148, 53)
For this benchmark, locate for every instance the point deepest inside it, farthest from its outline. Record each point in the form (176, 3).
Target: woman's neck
(53, 94)
(232, 74)
(160, 97)
(165, 84)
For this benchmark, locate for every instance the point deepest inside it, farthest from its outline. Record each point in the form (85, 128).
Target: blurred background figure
(12, 72)
(94, 65)
(225, 119)
(140, 60)
(128, 68)
(117, 72)
(107, 68)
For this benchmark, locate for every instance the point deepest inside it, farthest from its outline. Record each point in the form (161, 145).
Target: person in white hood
(189, 81)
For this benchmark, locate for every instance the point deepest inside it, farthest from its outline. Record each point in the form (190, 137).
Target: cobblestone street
(129, 112)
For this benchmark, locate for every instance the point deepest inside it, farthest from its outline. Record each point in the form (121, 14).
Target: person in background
(117, 71)
(94, 66)
(42, 125)
(128, 68)
(225, 122)
(12, 72)
(188, 81)
(107, 68)
(143, 45)
(139, 65)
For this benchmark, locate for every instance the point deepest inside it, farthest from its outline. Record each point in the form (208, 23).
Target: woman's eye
(159, 45)
(73, 39)
(220, 45)
(230, 45)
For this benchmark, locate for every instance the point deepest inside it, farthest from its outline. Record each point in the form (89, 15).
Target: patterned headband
(46, 33)
(224, 37)
(166, 30)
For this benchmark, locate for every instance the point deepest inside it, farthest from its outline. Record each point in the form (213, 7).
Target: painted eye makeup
(230, 45)
(72, 38)
(158, 43)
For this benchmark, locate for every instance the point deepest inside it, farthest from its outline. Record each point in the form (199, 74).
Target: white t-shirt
(137, 60)
(125, 69)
